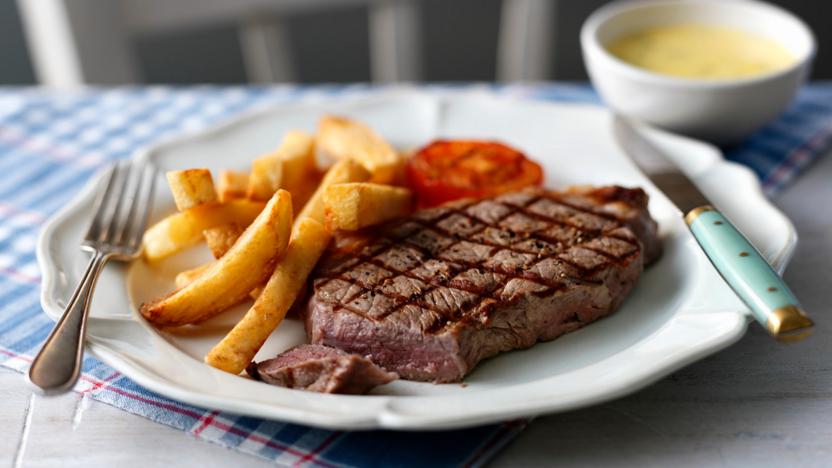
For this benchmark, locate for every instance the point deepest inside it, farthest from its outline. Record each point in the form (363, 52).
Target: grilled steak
(433, 295)
(321, 369)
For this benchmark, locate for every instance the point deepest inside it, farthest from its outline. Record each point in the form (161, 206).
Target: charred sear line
(465, 260)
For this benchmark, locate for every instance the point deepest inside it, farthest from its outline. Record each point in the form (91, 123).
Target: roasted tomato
(450, 169)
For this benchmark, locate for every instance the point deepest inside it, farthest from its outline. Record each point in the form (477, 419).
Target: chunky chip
(232, 185)
(191, 187)
(228, 281)
(237, 349)
(342, 172)
(265, 178)
(354, 206)
(342, 138)
(186, 277)
(182, 230)
(289, 167)
(221, 238)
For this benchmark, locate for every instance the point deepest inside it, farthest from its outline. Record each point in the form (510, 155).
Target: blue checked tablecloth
(52, 143)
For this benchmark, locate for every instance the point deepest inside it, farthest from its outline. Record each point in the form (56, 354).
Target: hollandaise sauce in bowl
(701, 51)
(716, 70)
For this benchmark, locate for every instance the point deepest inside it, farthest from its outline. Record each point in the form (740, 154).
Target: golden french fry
(191, 187)
(288, 167)
(229, 280)
(305, 188)
(353, 206)
(342, 138)
(238, 348)
(182, 230)
(255, 293)
(232, 185)
(221, 238)
(187, 277)
(342, 172)
(297, 151)
(266, 177)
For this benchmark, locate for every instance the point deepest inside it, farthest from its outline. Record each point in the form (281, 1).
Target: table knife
(742, 267)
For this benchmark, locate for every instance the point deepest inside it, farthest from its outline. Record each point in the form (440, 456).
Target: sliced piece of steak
(322, 369)
(433, 295)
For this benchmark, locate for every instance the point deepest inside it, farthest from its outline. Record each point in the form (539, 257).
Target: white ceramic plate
(679, 312)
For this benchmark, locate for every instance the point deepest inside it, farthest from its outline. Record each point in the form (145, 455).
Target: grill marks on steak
(452, 285)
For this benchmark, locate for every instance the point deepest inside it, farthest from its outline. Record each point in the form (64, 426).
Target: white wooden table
(758, 403)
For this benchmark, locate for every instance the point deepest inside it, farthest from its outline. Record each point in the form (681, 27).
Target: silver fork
(115, 233)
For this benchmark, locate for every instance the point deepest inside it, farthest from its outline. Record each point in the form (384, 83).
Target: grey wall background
(460, 38)
(14, 59)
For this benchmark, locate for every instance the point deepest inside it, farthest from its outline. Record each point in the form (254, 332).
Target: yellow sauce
(701, 51)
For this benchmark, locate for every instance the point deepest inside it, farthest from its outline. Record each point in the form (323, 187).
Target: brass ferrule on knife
(694, 213)
(789, 324)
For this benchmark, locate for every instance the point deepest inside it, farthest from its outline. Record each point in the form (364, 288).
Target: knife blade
(741, 265)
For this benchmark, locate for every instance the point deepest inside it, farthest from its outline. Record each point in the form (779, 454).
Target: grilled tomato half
(451, 169)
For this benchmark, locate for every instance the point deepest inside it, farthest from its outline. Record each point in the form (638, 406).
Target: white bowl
(720, 111)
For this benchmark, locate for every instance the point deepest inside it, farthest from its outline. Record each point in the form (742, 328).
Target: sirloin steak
(431, 296)
(317, 368)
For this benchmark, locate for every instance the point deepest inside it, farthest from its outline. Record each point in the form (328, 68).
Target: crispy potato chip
(288, 167)
(187, 277)
(305, 188)
(237, 349)
(266, 177)
(182, 230)
(191, 187)
(354, 206)
(221, 238)
(342, 172)
(342, 138)
(297, 151)
(230, 279)
(232, 185)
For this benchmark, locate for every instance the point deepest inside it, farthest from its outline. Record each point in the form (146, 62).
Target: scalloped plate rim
(385, 417)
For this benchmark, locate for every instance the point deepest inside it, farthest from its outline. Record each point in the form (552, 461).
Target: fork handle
(58, 364)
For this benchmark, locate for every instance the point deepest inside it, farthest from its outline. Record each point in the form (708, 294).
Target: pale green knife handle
(749, 274)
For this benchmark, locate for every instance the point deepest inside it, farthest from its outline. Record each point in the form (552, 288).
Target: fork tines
(122, 209)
